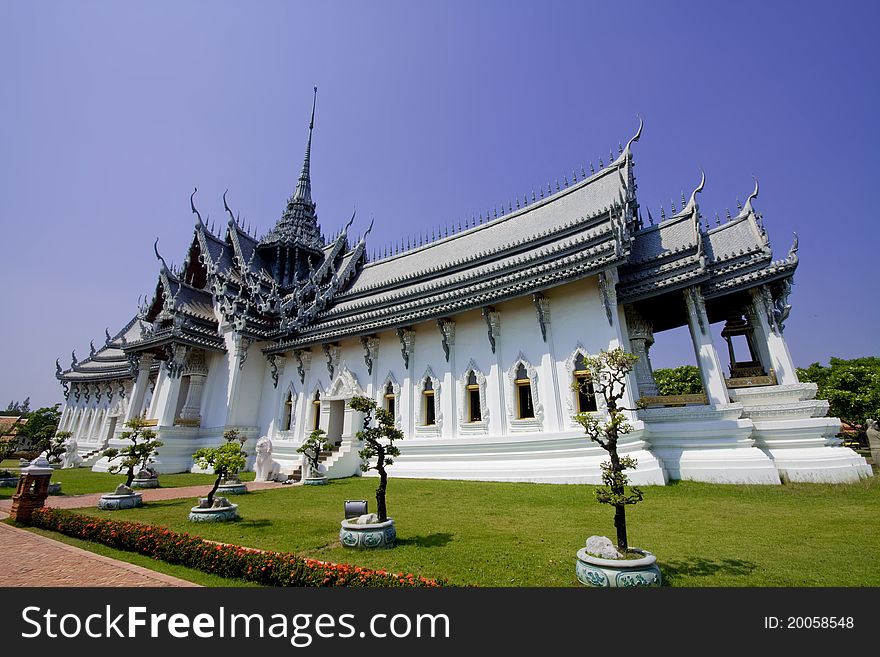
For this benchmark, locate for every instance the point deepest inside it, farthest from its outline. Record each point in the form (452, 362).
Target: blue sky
(427, 112)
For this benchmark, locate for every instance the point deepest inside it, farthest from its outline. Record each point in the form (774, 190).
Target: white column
(198, 373)
(493, 319)
(704, 349)
(141, 383)
(768, 337)
(447, 330)
(641, 337)
(167, 395)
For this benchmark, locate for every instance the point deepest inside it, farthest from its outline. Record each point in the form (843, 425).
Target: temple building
(472, 340)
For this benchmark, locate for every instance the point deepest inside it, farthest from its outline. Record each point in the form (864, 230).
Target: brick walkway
(33, 560)
(148, 494)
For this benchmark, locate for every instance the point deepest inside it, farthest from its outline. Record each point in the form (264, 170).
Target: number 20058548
(809, 622)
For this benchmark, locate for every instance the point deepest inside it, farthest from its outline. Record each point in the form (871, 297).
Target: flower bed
(269, 568)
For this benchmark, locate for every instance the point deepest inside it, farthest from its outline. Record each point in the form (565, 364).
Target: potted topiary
(138, 454)
(223, 460)
(373, 530)
(601, 563)
(311, 449)
(55, 448)
(231, 484)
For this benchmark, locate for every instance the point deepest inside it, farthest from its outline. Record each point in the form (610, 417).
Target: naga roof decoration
(292, 289)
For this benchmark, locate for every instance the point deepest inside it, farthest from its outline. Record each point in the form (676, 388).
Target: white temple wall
(472, 346)
(214, 401)
(246, 396)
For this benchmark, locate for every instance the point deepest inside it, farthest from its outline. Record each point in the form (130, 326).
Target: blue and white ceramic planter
(152, 482)
(10, 482)
(112, 502)
(232, 489)
(219, 514)
(315, 481)
(368, 537)
(617, 573)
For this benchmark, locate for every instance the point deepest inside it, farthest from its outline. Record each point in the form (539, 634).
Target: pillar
(197, 371)
(641, 337)
(768, 337)
(704, 349)
(32, 491)
(168, 393)
(141, 383)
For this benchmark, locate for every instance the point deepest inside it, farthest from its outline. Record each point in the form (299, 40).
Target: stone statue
(71, 459)
(873, 432)
(266, 469)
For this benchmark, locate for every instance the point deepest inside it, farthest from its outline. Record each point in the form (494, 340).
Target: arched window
(316, 409)
(389, 399)
(287, 412)
(525, 407)
(428, 397)
(473, 398)
(586, 396)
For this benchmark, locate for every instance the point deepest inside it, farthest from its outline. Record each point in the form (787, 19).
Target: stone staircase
(90, 458)
(324, 458)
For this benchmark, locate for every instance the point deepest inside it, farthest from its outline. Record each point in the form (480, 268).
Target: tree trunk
(129, 476)
(620, 524)
(220, 475)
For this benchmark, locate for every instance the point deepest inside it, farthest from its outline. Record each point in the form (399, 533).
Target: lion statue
(266, 469)
(71, 459)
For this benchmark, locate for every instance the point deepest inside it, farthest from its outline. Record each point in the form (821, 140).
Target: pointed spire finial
(303, 191)
(160, 258)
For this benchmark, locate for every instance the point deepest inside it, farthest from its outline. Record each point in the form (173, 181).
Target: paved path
(149, 495)
(29, 559)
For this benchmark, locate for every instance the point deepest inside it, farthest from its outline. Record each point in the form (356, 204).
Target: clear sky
(112, 112)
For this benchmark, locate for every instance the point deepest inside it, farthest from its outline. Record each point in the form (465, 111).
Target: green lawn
(77, 481)
(513, 534)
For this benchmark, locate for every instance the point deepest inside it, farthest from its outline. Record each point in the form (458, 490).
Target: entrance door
(336, 421)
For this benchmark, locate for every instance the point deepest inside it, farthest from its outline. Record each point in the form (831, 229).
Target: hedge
(268, 568)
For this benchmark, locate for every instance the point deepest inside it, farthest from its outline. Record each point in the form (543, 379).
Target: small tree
(57, 446)
(39, 429)
(609, 370)
(139, 453)
(312, 448)
(378, 445)
(681, 380)
(225, 460)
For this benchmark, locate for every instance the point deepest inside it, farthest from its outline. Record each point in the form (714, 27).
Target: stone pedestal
(368, 536)
(33, 489)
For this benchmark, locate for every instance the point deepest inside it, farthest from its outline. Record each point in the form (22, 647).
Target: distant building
(472, 338)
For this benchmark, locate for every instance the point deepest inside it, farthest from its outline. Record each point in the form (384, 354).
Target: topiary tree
(57, 446)
(225, 460)
(312, 448)
(39, 429)
(139, 454)
(609, 370)
(378, 434)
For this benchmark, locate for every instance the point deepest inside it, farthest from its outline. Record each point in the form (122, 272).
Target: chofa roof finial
(635, 137)
(792, 252)
(159, 257)
(226, 205)
(747, 208)
(692, 203)
(192, 204)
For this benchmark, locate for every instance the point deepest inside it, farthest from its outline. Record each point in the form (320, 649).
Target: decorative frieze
(447, 331)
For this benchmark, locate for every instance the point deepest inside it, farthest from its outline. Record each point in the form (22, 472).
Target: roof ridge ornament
(792, 252)
(231, 221)
(747, 208)
(159, 257)
(192, 205)
(628, 150)
(692, 203)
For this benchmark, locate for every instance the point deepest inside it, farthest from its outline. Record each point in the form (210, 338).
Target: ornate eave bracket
(447, 332)
(242, 344)
(332, 352)
(407, 344)
(609, 297)
(65, 385)
(303, 362)
(493, 323)
(371, 351)
(542, 309)
(696, 305)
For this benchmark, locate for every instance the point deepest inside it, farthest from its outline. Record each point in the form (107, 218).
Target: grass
(79, 481)
(515, 534)
(181, 572)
